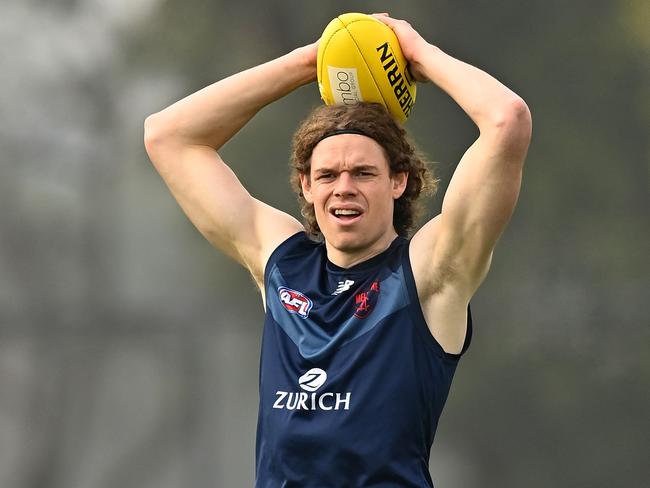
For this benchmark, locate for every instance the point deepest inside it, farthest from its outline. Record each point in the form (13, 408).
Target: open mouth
(345, 214)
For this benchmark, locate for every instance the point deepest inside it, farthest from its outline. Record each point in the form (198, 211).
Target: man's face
(353, 192)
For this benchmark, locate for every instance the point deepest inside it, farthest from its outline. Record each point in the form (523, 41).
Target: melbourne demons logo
(294, 301)
(365, 301)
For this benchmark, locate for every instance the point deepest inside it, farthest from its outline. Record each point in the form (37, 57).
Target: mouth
(346, 215)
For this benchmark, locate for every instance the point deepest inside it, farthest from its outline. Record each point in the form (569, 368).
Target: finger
(389, 21)
(384, 18)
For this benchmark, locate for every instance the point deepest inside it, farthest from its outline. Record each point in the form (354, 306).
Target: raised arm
(182, 142)
(451, 254)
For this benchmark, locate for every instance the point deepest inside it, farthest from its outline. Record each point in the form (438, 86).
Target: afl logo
(294, 301)
(313, 379)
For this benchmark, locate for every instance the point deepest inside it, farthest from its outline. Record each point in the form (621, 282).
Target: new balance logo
(343, 286)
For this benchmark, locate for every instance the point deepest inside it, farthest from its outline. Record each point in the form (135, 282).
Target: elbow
(514, 118)
(153, 133)
(512, 125)
(159, 135)
(511, 112)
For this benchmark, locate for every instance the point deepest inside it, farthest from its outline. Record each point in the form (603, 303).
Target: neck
(348, 257)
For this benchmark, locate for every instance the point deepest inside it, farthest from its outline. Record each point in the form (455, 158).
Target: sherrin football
(360, 59)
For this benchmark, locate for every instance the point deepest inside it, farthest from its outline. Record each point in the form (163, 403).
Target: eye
(325, 176)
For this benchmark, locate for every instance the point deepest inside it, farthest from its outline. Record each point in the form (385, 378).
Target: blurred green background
(129, 347)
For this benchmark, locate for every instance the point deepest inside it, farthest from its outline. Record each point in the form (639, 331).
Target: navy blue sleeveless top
(352, 382)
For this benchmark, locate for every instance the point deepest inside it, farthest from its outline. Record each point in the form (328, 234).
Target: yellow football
(360, 59)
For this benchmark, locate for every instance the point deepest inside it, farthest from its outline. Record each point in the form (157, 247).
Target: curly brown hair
(374, 121)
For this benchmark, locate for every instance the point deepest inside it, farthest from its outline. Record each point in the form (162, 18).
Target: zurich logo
(313, 379)
(308, 399)
(294, 301)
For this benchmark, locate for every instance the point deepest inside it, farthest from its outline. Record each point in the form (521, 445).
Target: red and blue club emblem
(365, 301)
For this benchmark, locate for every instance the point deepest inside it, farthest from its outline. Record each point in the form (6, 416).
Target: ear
(305, 183)
(399, 181)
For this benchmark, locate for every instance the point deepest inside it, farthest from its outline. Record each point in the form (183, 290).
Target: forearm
(214, 114)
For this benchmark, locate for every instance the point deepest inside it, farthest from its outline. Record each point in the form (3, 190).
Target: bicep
(221, 208)
(480, 199)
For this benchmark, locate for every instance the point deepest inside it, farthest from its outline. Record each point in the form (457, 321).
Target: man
(364, 330)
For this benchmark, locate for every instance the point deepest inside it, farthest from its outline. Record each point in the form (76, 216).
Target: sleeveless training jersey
(352, 382)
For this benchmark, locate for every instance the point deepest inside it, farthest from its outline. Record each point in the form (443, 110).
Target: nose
(344, 185)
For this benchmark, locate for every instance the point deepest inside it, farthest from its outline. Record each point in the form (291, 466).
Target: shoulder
(293, 251)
